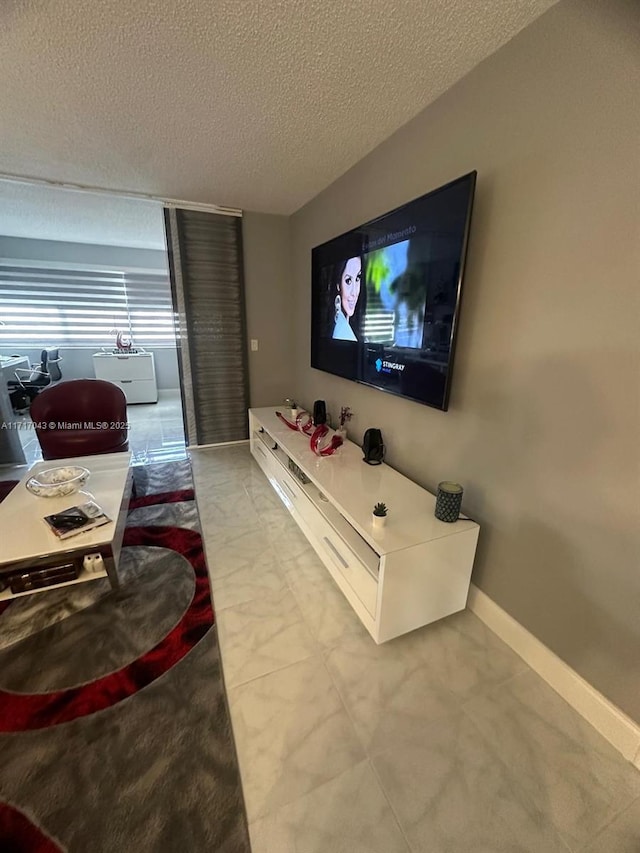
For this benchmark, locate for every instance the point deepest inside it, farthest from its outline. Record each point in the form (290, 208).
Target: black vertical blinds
(205, 252)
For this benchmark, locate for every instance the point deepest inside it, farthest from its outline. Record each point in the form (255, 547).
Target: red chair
(76, 408)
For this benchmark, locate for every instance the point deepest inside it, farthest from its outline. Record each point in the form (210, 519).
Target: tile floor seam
(228, 574)
(344, 705)
(232, 715)
(490, 744)
(324, 647)
(364, 757)
(241, 567)
(502, 820)
(363, 760)
(607, 827)
(270, 672)
(572, 710)
(305, 622)
(496, 685)
(374, 770)
(258, 597)
(371, 754)
(368, 756)
(291, 587)
(267, 674)
(266, 814)
(342, 699)
(285, 576)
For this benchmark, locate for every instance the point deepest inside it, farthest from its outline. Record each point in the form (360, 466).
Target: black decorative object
(373, 447)
(319, 413)
(448, 501)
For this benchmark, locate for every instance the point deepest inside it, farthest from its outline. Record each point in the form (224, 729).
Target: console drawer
(262, 456)
(285, 485)
(333, 550)
(138, 390)
(349, 567)
(292, 492)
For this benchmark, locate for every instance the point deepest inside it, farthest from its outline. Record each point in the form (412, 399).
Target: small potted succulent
(379, 516)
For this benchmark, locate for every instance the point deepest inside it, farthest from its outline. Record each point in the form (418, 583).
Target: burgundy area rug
(114, 728)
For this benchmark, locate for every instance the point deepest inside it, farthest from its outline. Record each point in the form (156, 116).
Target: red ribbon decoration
(298, 426)
(328, 449)
(316, 434)
(288, 423)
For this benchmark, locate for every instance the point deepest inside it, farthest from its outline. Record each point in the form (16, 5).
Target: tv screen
(386, 296)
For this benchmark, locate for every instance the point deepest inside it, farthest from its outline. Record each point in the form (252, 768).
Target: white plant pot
(294, 413)
(379, 521)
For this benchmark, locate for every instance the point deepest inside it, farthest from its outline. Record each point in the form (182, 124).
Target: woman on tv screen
(345, 293)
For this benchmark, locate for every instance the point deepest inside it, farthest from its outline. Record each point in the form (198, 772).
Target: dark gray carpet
(155, 772)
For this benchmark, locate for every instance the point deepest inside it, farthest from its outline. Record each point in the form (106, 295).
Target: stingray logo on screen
(388, 366)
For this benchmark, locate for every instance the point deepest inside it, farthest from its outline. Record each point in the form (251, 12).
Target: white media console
(415, 570)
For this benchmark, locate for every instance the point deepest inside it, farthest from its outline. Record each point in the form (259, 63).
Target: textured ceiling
(51, 214)
(258, 104)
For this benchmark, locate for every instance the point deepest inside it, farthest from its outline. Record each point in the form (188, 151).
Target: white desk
(9, 363)
(10, 446)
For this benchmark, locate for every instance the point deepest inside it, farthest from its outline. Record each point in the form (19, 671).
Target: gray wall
(80, 253)
(269, 293)
(544, 419)
(77, 363)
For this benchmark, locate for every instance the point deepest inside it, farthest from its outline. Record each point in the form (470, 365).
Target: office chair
(30, 381)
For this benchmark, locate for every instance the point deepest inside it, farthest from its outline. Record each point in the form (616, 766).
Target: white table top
(13, 361)
(355, 487)
(23, 532)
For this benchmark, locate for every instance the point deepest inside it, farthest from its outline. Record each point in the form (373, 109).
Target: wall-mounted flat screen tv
(386, 296)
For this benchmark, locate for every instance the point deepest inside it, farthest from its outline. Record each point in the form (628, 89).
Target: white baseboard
(219, 444)
(621, 731)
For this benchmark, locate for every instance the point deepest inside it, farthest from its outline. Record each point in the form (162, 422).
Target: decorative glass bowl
(58, 482)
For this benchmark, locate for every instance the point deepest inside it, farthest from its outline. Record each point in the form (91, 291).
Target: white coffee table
(27, 543)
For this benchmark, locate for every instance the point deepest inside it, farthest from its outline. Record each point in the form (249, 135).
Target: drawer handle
(126, 381)
(289, 489)
(336, 552)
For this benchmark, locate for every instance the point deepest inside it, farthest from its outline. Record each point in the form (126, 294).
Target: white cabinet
(135, 373)
(412, 572)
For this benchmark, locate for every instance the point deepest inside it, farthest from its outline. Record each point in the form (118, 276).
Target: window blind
(56, 305)
(378, 323)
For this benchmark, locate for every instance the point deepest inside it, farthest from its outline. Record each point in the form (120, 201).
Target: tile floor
(156, 431)
(441, 741)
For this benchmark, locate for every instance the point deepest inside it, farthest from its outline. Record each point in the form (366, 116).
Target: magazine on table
(76, 519)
